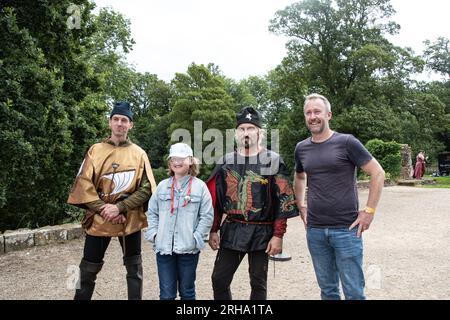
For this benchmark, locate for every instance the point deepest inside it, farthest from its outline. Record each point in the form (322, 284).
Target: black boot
(134, 276)
(88, 274)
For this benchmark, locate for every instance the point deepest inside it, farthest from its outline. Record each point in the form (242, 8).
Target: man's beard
(319, 130)
(248, 143)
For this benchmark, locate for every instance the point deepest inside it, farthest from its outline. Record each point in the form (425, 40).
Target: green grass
(441, 182)
(434, 186)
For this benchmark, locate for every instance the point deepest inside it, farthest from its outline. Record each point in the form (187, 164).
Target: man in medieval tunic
(113, 185)
(250, 186)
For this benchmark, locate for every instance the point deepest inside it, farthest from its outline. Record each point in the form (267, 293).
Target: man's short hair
(314, 96)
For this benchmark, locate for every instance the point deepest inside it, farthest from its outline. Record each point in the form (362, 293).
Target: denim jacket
(187, 228)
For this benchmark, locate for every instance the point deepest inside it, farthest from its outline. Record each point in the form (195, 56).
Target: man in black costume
(250, 186)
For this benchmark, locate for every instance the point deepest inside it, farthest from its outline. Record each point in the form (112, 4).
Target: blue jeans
(177, 270)
(337, 254)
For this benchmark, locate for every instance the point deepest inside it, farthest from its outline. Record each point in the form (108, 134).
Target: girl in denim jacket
(180, 216)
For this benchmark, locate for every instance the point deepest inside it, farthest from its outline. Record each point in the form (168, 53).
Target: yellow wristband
(369, 210)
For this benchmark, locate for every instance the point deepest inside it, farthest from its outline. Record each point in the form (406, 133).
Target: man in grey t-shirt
(327, 162)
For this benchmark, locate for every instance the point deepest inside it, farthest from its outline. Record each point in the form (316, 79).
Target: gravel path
(407, 256)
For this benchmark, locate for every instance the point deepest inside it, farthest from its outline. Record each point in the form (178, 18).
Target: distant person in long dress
(419, 170)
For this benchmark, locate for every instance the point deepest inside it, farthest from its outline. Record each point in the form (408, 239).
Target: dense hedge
(388, 155)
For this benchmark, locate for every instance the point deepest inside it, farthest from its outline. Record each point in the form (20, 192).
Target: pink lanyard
(172, 194)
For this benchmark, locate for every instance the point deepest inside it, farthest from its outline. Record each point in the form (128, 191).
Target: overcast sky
(233, 34)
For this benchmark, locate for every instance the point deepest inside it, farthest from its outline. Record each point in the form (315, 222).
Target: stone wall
(2, 244)
(27, 238)
(406, 171)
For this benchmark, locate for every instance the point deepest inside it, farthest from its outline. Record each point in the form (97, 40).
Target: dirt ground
(407, 256)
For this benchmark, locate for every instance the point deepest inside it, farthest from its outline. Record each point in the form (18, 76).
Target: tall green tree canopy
(200, 95)
(52, 94)
(152, 103)
(339, 49)
(437, 55)
(338, 46)
(40, 82)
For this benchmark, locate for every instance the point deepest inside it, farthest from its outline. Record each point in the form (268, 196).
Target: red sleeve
(217, 215)
(279, 227)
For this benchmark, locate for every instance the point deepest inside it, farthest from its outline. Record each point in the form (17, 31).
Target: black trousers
(225, 266)
(95, 247)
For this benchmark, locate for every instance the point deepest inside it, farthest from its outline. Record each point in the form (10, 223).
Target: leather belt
(249, 222)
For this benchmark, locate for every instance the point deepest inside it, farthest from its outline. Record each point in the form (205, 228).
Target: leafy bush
(388, 155)
(160, 174)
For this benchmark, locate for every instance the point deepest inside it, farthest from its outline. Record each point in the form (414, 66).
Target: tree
(339, 49)
(368, 122)
(337, 45)
(36, 137)
(102, 51)
(105, 52)
(200, 95)
(241, 94)
(441, 90)
(152, 101)
(52, 94)
(292, 130)
(151, 96)
(437, 55)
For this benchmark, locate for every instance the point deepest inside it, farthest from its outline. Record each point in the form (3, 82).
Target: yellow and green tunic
(120, 175)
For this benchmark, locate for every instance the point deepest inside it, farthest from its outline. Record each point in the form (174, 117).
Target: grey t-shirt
(331, 168)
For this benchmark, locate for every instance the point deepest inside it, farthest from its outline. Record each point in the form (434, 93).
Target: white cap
(181, 150)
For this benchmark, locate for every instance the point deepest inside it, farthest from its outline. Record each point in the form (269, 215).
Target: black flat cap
(248, 115)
